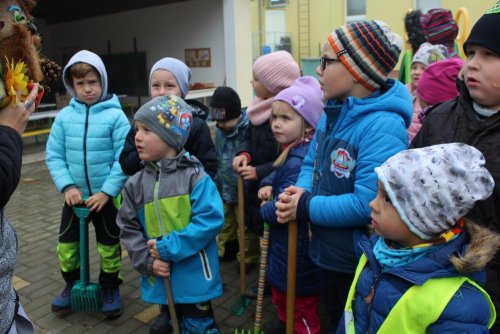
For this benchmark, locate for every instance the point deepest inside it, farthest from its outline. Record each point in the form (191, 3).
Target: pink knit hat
(305, 97)
(276, 71)
(438, 82)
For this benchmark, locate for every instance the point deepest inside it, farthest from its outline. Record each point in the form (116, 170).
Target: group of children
(329, 154)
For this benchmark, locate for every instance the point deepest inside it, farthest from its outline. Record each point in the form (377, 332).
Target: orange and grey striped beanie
(368, 49)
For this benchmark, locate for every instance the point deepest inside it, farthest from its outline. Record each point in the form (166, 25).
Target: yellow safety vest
(419, 307)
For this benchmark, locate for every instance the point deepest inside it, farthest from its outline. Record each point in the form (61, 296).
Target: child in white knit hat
(422, 271)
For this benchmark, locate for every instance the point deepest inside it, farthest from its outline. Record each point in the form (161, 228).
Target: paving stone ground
(35, 210)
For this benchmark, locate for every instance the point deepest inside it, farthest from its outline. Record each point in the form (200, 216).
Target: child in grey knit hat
(426, 263)
(170, 215)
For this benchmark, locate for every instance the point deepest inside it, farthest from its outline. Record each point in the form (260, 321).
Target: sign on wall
(197, 57)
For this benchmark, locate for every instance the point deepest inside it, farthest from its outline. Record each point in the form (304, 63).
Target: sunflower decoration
(14, 79)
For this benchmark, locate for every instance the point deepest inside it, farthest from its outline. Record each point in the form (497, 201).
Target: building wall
(326, 15)
(159, 31)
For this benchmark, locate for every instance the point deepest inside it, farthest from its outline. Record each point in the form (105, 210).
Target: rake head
(240, 305)
(86, 297)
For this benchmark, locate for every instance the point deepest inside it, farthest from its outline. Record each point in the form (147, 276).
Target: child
(437, 85)
(170, 216)
(364, 122)
(272, 73)
(231, 125)
(296, 111)
(82, 157)
(473, 118)
(421, 272)
(440, 27)
(170, 76)
(426, 55)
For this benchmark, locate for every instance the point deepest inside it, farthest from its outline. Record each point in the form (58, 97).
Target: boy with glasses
(364, 123)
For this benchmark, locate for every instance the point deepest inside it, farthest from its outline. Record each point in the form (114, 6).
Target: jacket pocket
(205, 265)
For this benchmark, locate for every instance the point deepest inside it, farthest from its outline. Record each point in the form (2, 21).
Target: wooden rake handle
(241, 236)
(291, 276)
(171, 306)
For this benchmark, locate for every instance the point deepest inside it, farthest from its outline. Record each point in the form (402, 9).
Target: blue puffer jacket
(468, 310)
(85, 141)
(352, 139)
(308, 274)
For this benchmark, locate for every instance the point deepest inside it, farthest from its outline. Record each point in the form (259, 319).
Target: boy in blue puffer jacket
(364, 123)
(421, 272)
(82, 156)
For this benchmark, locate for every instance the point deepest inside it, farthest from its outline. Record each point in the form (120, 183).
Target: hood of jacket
(199, 109)
(393, 97)
(95, 61)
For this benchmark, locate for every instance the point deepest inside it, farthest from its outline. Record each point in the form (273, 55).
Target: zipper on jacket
(156, 202)
(85, 133)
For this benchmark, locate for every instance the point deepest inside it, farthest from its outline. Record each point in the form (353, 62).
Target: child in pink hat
(254, 159)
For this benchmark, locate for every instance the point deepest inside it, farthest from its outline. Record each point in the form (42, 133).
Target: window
(355, 10)
(277, 3)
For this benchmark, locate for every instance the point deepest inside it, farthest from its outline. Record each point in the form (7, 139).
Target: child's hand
(73, 196)
(153, 250)
(248, 172)
(265, 193)
(286, 207)
(161, 268)
(96, 202)
(240, 160)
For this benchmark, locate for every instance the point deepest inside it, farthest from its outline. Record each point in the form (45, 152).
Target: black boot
(161, 325)
(231, 248)
(275, 326)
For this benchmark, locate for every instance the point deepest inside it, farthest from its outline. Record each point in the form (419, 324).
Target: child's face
(259, 89)
(286, 124)
(88, 88)
(164, 83)
(387, 222)
(417, 69)
(482, 76)
(149, 145)
(227, 125)
(336, 81)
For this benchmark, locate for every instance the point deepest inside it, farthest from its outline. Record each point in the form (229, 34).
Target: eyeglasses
(324, 60)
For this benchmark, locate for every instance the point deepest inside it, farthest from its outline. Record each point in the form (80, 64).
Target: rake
(291, 276)
(241, 304)
(85, 295)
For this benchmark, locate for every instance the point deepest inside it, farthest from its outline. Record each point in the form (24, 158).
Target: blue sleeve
(467, 312)
(56, 155)
(292, 168)
(268, 180)
(380, 137)
(207, 219)
(116, 179)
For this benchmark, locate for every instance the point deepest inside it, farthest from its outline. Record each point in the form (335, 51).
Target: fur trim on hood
(483, 245)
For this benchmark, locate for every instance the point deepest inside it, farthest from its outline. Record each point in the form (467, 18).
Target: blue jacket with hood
(86, 140)
(468, 310)
(353, 137)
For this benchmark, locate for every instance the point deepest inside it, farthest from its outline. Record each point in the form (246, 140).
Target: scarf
(390, 255)
(259, 110)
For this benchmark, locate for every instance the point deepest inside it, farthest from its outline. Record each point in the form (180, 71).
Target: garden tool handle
(291, 276)
(171, 305)
(241, 235)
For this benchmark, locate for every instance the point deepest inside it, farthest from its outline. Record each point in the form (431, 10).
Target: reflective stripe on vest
(419, 307)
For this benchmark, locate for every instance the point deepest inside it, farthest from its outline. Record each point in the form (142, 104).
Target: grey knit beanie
(180, 71)
(433, 187)
(169, 117)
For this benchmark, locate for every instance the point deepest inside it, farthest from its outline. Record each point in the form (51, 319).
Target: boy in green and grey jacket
(170, 216)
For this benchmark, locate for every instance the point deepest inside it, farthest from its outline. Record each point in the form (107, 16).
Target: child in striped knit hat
(364, 122)
(254, 159)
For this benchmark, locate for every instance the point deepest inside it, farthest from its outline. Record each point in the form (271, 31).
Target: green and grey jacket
(174, 199)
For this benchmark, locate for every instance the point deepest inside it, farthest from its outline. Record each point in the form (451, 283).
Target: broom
(242, 302)
(85, 296)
